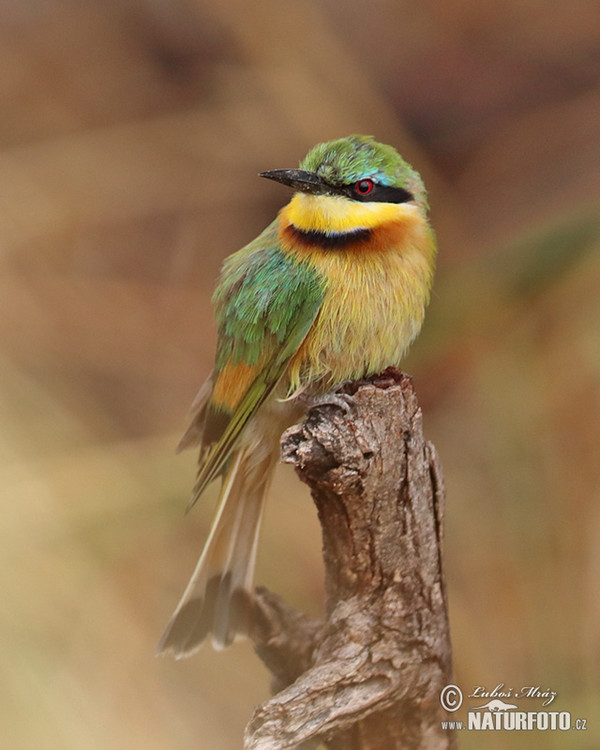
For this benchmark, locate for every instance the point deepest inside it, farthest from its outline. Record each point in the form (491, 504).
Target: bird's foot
(343, 394)
(342, 400)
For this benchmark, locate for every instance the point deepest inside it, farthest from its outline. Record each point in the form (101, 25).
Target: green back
(265, 304)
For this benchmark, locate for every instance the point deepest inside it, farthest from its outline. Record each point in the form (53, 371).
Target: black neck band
(341, 241)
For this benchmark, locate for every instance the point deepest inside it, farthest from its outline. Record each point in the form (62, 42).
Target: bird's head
(351, 183)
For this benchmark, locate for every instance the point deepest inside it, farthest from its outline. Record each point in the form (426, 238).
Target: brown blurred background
(131, 133)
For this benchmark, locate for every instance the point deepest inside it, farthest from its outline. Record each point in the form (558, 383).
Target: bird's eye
(364, 187)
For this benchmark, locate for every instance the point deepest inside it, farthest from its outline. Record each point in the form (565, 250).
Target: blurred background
(131, 134)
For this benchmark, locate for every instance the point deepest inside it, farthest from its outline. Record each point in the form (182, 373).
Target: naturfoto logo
(499, 714)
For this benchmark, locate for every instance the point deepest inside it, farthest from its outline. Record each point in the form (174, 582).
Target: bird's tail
(211, 602)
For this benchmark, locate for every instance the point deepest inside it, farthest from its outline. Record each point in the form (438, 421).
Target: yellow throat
(334, 214)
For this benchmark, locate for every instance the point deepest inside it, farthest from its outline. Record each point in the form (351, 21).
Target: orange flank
(232, 383)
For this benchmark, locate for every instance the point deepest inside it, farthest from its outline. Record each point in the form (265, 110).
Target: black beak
(307, 182)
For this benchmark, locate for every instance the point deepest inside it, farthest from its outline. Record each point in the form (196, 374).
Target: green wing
(265, 303)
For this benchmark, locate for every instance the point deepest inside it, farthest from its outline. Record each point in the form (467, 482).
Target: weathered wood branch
(369, 676)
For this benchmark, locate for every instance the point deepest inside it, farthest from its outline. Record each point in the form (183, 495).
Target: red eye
(364, 187)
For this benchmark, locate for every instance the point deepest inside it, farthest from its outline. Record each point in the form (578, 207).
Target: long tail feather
(211, 602)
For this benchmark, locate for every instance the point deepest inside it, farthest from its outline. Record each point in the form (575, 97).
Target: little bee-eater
(334, 289)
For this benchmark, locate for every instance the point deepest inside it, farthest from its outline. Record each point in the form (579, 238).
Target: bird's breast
(377, 287)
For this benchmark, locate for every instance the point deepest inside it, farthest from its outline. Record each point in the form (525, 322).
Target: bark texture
(369, 676)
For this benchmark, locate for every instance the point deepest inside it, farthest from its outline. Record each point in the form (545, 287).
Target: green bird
(334, 289)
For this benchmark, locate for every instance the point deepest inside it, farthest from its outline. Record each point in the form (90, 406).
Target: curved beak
(299, 179)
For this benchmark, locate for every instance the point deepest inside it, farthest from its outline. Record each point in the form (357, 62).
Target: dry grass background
(131, 132)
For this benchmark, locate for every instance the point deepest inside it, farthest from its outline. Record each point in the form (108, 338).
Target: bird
(333, 290)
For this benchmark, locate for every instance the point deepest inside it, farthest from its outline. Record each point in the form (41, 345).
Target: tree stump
(369, 676)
